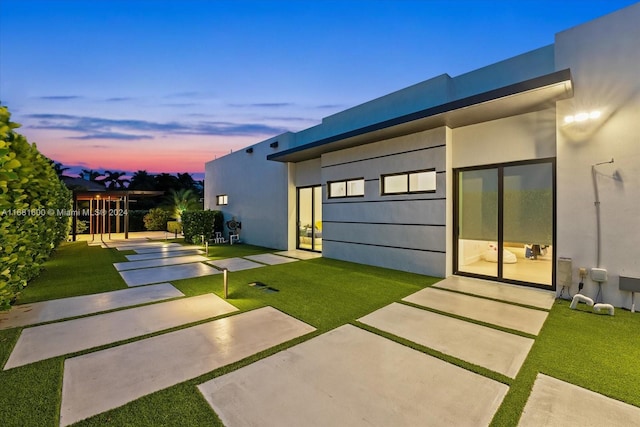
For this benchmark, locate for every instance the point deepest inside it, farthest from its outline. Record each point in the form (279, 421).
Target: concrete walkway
(96, 382)
(147, 276)
(159, 262)
(47, 311)
(57, 339)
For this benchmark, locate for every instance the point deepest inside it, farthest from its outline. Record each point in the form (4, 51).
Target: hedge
(157, 219)
(197, 223)
(35, 207)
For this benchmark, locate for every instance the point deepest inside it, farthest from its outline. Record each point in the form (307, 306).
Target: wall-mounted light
(583, 116)
(249, 150)
(274, 144)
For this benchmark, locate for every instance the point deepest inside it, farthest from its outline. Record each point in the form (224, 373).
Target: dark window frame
(384, 192)
(224, 201)
(346, 189)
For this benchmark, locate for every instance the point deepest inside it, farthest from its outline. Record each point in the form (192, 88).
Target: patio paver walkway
(300, 254)
(147, 276)
(168, 254)
(270, 259)
(352, 377)
(158, 262)
(165, 249)
(56, 339)
(557, 403)
(96, 382)
(47, 311)
(235, 264)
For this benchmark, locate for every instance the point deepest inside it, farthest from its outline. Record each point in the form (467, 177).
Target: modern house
(502, 173)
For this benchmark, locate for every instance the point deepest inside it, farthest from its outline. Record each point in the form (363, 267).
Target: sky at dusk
(166, 86)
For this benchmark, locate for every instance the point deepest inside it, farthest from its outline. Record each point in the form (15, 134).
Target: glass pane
(305, 219)
(395, 184)
(337, 189)
(528, 223)
(478, 222)
(356, 187)
(422, 181)
(317, 218)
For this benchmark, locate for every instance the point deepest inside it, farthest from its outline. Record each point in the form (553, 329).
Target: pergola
(105, 204)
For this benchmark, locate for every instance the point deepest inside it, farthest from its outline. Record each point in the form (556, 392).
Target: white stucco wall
(258, 192)
(604, 58)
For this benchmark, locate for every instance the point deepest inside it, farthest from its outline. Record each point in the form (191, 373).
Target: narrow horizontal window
(409, 182)
(346, 188)
(222, 199)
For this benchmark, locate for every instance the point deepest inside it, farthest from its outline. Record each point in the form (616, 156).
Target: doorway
(309, 222)
(504, 222)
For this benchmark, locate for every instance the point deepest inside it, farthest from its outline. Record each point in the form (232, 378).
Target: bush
(156, 219)
(34, 206)
(197, 223)
(136, 219)
(174, 227)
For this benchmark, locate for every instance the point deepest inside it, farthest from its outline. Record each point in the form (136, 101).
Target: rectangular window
(222, 199)
(346, 188)
(409, 182)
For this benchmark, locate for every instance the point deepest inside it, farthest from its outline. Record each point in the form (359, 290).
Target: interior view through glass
(310, 218)
(505, 222)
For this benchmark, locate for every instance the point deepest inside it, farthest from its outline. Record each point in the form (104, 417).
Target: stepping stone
(351, 377)
(159, 262)
(270, 259)
(39, 312)
(57, 339)
(499, 351)
(168, 273)
(557, 403)
(156, 245)
(172, 248)
(235, 264)
(496, 313)
(305, 255)
(96, 382)
(499, 291)
(155, 255)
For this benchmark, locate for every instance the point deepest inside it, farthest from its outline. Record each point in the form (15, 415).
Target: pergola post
(74, 218)
(126, 216)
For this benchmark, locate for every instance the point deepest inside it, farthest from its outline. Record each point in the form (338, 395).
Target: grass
(597, 352)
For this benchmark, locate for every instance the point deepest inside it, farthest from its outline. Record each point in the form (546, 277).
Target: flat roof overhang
(524, 97)
(114, 194)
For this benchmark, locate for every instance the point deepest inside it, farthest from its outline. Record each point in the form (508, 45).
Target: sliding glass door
(505, 222)
(310, 218)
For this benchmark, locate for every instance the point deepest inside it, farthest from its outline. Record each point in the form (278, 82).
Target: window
(409, 182)
(222, 199)
(346, 188)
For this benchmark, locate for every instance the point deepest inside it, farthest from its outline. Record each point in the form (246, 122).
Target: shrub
(33, 202)
(136, 219)
(197, 223)
(156, 219)
(174, 227)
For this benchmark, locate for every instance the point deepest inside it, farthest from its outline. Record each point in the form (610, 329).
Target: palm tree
(59, 168)
(90, 174)
(115, 180)
(183, 200)
(141, 180)
(166, 182)
(185, 181)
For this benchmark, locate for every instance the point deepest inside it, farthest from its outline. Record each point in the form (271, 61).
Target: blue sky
(167, 85)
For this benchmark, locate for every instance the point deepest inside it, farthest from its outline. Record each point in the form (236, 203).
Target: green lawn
(594, 351)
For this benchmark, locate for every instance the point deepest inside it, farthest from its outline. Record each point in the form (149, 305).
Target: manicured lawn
(597, 352)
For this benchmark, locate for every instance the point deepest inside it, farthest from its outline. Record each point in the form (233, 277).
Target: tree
(59, 168)
(114, 180)
(166, 182)
(141, 180)
(91, 175)
(183, 200)
(185, 181)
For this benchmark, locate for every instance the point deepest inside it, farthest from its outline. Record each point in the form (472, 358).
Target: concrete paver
(158, 262)
(235, 264)
(270, 259)
(163, 274)
(500, 291)
(155, 255)
(496, 313)
(553, 402)
(352, 377)
(56, 339)
(499, 351)
(142, 245)
(47, 311)
(96, 382)
(171, 248)
(300, 254)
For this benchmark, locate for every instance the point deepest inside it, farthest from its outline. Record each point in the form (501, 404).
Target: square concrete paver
(155, 255)
(299, 254)
(174, 247)
(147, 245)
(351, 377)
(500, 291)
(57, 339)
(235, 264)
(557, 403)
(499, 351)
(496, 313)
(158, 262)
(96, 382)
(164, 274)
(47, 311)
(270, 259)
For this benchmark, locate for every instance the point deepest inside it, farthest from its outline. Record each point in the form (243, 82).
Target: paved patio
(147, 276)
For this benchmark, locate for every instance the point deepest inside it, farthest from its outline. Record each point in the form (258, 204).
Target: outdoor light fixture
(249, 150)
(582, 117)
